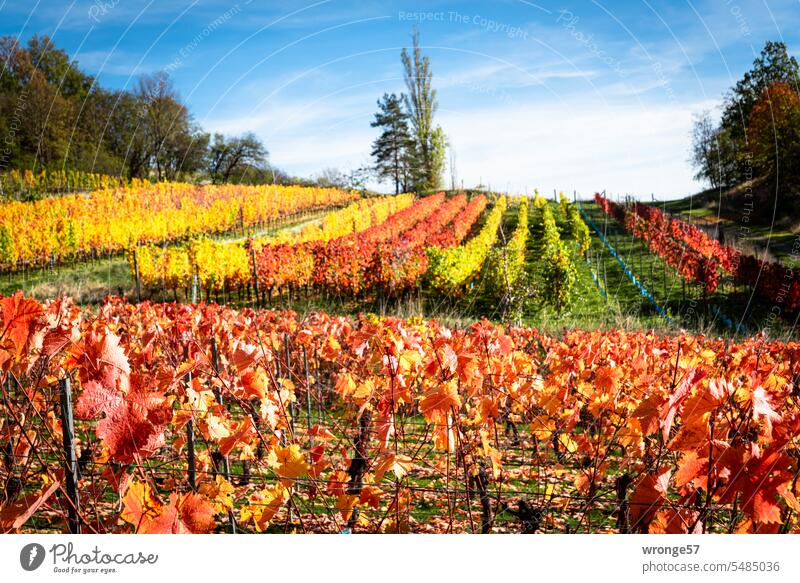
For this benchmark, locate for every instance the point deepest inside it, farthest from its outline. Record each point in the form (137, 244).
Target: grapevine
(621, 431)
(451, 270)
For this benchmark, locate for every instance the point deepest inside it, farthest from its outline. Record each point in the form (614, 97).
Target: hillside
(747, 214)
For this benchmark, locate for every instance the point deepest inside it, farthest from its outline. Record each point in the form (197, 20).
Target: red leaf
(16, 514)
(19, 314)
(647, 498)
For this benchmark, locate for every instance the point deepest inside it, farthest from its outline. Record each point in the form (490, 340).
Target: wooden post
(190, 455)
(226, 469)
(191, 471)
(289, 376)
(195, 283)
(215, 364)
(255, 275)
(605, 279)
(136, 273)
(319, 388)
(308, 392)
(70, 459)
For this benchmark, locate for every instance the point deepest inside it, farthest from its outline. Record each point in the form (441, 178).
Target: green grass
(89, 282)
(623, 306)
(687, 305)
(749, 220)
(588, 309)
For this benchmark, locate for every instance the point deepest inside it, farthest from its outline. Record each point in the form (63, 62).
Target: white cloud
(578, 145)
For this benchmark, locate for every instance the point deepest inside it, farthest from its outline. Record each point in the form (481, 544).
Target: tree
(45, 123)
(331, 178)
(54, 116)
(773, 65)
(774, 132)
(705, 150)
(229, 156)
(124, 135)
(421, 103)
(389, 150)
(186, 153)
(357, 178)
(166, 123)
(438, 147)
(58, 69)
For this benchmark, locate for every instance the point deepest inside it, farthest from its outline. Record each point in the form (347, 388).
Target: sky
(575, 96)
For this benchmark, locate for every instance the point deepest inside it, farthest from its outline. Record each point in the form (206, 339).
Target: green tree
(713, 152)
(439, 145)
(390, 149)
(425, 167)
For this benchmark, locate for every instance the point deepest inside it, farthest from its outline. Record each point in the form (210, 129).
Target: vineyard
(110, 220)
(258, 379)
(743, 290)
(203, 418)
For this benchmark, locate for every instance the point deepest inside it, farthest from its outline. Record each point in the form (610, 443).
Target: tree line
(56, 117)
(53, 116)
(758, 133)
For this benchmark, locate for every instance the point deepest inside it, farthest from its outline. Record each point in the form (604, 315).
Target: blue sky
(570, 95)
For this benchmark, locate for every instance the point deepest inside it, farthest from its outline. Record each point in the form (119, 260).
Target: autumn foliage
(115, 219)
(773, 133)
(595, 431)
(699, 258)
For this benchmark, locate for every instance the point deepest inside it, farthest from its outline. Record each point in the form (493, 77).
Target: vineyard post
(194, 288)
(70, 459)
(289, 376)
(215, 363)
(308, 391)
(136, 273)
(190, 445)
(226, 469)
(190, 455)
(320, 395)
(255, 275)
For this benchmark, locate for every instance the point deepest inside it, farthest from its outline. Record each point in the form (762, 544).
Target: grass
(747, 215)
(686, 304)
(89, 282)
(588, 308)
(622, 307)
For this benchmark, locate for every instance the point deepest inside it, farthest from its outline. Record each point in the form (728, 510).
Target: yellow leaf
(290, 463)
(220, 492)
(399, 464)
(264, 505)
(345, 384)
